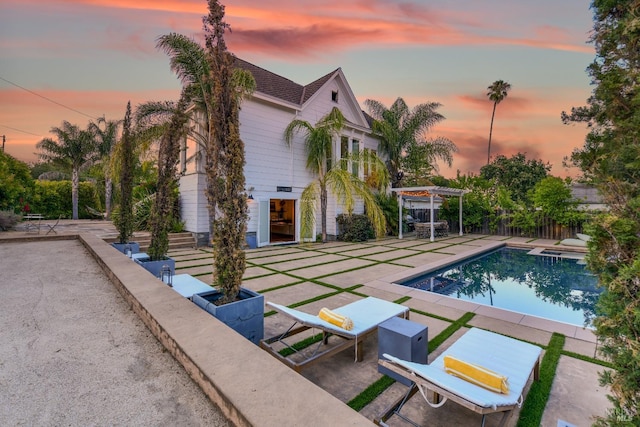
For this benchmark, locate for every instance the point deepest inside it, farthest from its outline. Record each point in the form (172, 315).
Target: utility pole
(4, 138)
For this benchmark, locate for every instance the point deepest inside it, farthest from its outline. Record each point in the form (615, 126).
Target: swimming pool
(538, 282)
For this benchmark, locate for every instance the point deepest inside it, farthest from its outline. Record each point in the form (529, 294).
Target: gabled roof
(313, 87)
(280, 87)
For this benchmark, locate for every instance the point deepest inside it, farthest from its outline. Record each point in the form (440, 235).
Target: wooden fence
(546, 228)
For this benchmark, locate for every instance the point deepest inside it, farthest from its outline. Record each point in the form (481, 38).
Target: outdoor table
(31, 224)
(423, 229)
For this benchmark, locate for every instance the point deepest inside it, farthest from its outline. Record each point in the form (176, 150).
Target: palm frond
(187, 58)
(308, 203)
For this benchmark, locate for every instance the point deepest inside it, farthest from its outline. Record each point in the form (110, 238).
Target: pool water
(546, 284)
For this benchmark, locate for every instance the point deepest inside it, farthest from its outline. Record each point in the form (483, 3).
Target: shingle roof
(313, 87)
(280, 87)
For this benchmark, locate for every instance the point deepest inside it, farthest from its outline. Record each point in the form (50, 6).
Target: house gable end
(334, 90)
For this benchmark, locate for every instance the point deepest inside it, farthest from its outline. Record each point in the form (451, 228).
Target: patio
(337, 273)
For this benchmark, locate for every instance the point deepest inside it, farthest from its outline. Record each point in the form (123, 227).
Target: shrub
(16, 184)
(53, 199)
(355, 228)
(8, 220)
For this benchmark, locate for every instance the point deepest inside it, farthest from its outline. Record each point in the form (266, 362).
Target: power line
(48, 99)
(19, 130)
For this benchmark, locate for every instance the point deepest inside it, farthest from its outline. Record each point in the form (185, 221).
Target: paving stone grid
(309, 277)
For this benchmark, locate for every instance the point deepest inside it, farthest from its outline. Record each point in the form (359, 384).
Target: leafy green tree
(225, 158)
(399, 127)
(497, 92)
(43, 170)
(517, 174)
(389, 205)
(610, 159)
(73, 149)
(553, 196)
(17, 183)
(336, 179)
(106, 139)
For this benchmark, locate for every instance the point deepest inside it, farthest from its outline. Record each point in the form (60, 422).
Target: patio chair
(507, 357)
(52, 227)
(366, 314)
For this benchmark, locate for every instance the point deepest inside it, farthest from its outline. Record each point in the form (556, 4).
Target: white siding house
(276, 173)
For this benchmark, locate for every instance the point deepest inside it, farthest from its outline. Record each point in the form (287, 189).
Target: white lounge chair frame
(515, 359)
(366, 314)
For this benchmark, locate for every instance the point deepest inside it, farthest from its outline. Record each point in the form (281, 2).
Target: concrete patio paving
(333, 274)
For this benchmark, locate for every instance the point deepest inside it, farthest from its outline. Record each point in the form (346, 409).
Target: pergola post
(460, 213)
(431, 191)
(400, 199)
(432, 216)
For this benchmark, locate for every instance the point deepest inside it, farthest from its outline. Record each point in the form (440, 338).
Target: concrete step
(184, 240)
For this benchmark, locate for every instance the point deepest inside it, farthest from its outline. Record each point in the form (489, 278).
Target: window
(344, 151)
(334, 96)
(368, 164)
(355, 150)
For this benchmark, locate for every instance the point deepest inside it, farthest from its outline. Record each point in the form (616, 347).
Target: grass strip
(300, 345)
(536, 401)
(275, 288)
(434, 316)
(449, 330)
(307, 301)
(370, 393)
(587, 359)
(402, 300)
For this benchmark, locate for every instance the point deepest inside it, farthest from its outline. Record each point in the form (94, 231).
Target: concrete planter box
(245, 316)
(155, 267)
(134, 246)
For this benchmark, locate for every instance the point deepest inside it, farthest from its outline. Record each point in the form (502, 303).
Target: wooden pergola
(426, 194)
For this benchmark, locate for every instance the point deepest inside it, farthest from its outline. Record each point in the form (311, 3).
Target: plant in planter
(226, 186)
(124, 220)
(161, 214)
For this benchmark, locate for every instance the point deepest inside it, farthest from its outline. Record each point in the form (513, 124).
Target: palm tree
(420, 162)
(106, 142)
(73, 149)
(337, 179)
(188, 59)
(399, 127)
(496, 93)
(168, 153)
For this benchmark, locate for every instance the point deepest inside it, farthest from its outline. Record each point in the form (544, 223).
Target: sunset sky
(78, 60)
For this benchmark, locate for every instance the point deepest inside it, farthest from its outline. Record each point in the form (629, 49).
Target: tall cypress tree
(225, 161)
(124, 221)
(609, 158)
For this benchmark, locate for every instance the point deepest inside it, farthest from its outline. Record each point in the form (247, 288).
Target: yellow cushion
(336, 319)
(476, 374)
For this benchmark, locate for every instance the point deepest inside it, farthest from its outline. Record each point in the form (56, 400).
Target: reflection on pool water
(542, 283)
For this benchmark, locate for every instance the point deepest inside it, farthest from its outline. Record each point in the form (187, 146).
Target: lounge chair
(366, 315)
(509, 357)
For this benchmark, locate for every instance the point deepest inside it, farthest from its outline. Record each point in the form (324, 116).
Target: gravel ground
(72, 353)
